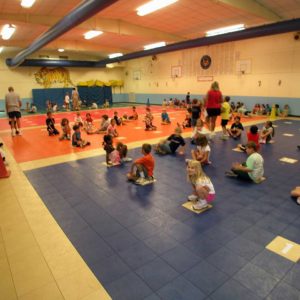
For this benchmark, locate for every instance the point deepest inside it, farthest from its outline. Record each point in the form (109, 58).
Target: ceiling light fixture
(155, 45)
(60, 50)
(92, 33)
(227, 29)
(27, 3)
(114, 55)
(7, 31)
(110, 66)
(152, 6)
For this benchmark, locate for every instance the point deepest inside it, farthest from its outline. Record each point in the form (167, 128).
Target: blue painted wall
(24, 101)
(294, 103)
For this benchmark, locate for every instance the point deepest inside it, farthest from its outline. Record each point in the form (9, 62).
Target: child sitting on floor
(187, 123)
(118, 120)
(134, 115)
(66, 130)
(202, 152)
(2, 152)
(252, 136)
(296, 193)
(171, 144)
(165, 119)
(112, 128)
(199, 129)
(112, 155)
(203, 189)
(77, 141)
(78, 119)
(104, 123)
(267, 133)
(252, 169)
(148, 120)
(50, 122)
(141, 171)
(236, 128)
(88, 124)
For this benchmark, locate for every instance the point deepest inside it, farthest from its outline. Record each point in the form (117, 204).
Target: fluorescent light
(92, 33)
(227, 29)
(7, 31)
(155, 45)
(152, 6)
(60, 50)
(110, 66)
(27, 3)
(114, 55)
(1, 49)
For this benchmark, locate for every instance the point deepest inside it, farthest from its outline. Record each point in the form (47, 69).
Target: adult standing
(213, 103)
(13, 105)
(188, 99)
(75, 99)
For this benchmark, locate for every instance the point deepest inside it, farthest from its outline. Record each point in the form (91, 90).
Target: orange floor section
(36, 144)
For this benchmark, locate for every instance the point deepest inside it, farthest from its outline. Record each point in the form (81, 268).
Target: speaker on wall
(297, 36)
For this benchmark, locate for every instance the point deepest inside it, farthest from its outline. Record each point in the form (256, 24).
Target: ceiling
(126, 32)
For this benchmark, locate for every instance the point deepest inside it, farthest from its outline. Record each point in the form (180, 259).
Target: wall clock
(205, 62)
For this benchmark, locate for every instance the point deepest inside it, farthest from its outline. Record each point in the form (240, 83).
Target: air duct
(259, 31)
(79, 14)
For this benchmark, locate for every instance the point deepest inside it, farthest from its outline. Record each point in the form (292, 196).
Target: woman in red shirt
(213, 102)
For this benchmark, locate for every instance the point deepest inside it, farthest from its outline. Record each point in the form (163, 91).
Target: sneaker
(126, 159)
(13, 133)
(144, 181)
(141, 181)
(192, 197)
(231, 174)
(200, 205)
(19, 132)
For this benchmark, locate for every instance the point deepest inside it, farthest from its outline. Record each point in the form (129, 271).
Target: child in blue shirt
(165, 119)
(77, 141)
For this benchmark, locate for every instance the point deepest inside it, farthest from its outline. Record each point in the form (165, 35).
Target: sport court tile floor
(141, 244)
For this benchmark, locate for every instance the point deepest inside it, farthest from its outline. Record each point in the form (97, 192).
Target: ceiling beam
(106, 25)
(252, 7)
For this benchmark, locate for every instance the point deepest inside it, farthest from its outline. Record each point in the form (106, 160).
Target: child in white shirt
(203, 189)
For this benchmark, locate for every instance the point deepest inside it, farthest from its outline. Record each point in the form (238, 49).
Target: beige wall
(271, 59)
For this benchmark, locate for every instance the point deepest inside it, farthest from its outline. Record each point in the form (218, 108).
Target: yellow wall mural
(47, 77)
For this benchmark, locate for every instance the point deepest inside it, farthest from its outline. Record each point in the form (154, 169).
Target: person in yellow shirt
(225, 116)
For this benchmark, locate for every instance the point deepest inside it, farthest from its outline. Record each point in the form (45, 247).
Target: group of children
(141, 171)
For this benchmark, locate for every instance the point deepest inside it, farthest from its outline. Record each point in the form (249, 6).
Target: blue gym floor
(142, 244)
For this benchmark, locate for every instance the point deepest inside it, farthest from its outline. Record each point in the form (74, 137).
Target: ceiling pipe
(254, 32)
(259, 31)
(57, 63)
(79, 14)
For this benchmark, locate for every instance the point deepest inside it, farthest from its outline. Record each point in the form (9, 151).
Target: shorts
(210, 197)
(165, 148)
(224, 122)
(213, 112)
(14, 115)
